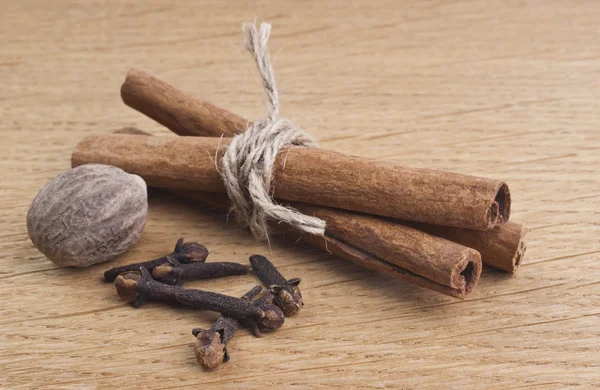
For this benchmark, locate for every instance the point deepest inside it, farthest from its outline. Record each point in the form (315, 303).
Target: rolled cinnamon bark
(333, 179)
(436, 259)
(381, 245)
(159, 100)
(468, 277)
(324, 177)
(502, 247)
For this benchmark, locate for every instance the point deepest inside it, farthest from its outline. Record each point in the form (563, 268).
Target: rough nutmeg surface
(88, 215)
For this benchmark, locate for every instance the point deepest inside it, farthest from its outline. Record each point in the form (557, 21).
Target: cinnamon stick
(381, 245)
(436, 259)
(324, 177)
(502, 247)
(469, 276)
(159, 100)
(333, 179)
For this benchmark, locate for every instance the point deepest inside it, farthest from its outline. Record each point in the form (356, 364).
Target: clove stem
(174, 273)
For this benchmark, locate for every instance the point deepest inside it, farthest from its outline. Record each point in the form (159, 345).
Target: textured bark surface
(159, 100)
(394, 249)
(433, 258)
(502, 247)
(315, 175)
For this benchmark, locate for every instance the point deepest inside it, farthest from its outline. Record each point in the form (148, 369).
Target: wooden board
(507, 90)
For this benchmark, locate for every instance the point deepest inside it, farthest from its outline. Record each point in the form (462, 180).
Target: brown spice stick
(332, 179)
(436, 259)
(364, 259)
(502, 247)
(381, 245)
(158, 100)
(324, 177)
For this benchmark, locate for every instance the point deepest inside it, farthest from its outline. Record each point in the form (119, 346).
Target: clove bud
(211, 344)
(286, 293)
(183, 253)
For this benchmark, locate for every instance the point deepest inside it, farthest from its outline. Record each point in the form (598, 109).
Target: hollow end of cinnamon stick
(520, 252)
(502, 247)
(500, 208)
(466, 275)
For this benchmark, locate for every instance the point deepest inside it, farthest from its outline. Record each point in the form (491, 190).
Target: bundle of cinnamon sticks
(427, 227)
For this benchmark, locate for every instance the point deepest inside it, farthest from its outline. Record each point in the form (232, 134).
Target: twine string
(247, 165)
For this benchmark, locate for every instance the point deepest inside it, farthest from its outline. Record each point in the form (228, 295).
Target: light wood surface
(507, 89)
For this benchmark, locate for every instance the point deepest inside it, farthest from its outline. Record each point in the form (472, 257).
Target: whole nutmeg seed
(88, 215)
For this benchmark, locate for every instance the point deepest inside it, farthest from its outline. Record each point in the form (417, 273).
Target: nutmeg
(88, 215)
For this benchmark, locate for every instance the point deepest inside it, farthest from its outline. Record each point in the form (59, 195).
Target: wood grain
(508, 90)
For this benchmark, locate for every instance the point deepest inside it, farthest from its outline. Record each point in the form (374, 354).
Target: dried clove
(183, 253)
(137, 287)
(173, 272)
(211, 344)
(263, 300)
(286, 293)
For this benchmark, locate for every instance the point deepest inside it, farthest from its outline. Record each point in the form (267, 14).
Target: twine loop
(247, 165)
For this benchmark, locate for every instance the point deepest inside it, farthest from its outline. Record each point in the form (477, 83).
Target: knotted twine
(247, 165)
